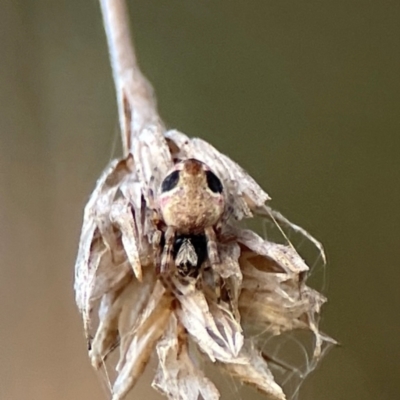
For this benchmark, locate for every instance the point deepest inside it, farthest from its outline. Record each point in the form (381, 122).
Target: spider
(190, 202)
(189, 253)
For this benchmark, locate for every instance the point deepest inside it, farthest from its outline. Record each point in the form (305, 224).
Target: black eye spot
(213, 182)
(170, 181)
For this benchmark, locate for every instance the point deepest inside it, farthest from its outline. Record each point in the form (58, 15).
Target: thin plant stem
(135, 96)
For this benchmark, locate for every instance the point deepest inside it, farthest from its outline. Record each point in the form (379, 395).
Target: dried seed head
(243, 283)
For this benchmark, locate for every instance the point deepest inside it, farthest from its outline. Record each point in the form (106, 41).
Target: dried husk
(262, 284)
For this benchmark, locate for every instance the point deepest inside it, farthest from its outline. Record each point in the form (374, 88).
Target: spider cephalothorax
(189, 253)
(191, 203)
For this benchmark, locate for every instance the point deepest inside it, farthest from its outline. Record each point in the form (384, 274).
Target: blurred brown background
(303, 94)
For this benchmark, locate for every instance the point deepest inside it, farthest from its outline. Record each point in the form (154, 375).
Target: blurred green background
(303, 94)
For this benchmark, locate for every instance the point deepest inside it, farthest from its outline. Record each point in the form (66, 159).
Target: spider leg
(212, 249)
(156, 242)
(167, 252)
(217, 286)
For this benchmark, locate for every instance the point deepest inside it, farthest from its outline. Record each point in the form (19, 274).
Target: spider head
(191, 197)
(189, 253)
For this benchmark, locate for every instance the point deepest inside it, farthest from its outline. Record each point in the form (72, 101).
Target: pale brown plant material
(251, 282)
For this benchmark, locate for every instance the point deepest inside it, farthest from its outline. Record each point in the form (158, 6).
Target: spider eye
(213, 182)
(170, 181)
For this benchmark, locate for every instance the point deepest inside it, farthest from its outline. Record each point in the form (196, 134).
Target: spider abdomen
(191, 212)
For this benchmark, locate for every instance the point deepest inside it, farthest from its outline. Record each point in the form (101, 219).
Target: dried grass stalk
(261, 284)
